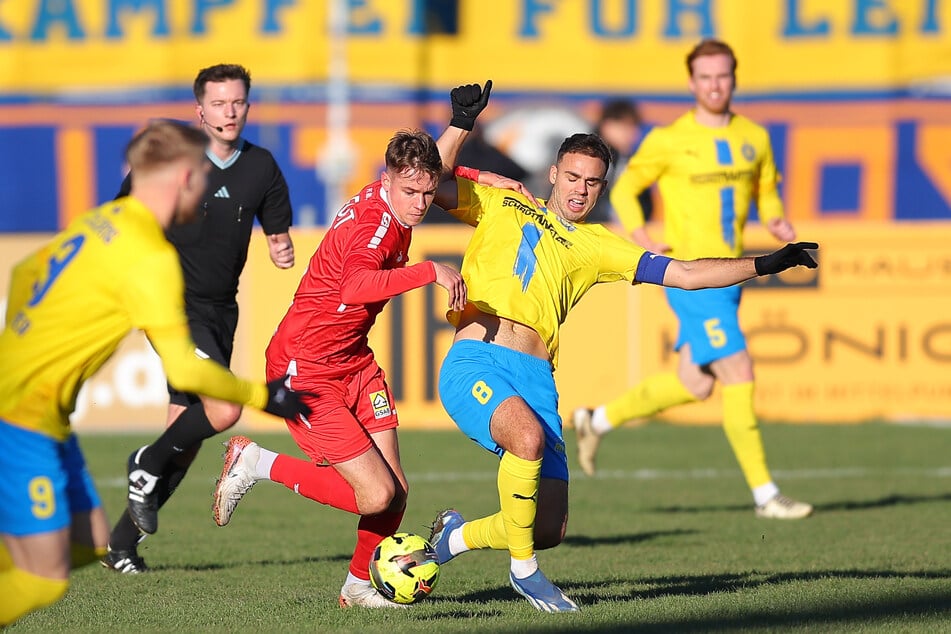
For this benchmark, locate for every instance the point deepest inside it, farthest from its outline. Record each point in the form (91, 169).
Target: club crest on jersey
(748, 152)
(567, 224)
(380, 404)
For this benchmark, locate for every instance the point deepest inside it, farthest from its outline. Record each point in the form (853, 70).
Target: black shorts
(212, 327)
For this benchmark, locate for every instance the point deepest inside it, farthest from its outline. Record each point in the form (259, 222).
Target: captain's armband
(651, 268)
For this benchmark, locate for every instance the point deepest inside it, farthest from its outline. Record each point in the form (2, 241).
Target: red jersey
(358, 266)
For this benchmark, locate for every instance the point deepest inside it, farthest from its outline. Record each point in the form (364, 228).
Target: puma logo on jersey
(522, 497)
(222, 192)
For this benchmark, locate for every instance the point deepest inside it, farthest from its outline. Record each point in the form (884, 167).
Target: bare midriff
(480, 326)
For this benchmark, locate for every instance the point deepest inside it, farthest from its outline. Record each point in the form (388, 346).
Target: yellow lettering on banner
(98, 45)
(872, 149)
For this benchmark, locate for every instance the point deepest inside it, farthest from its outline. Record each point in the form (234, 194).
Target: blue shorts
(476, 377)
(43, 482)
(709, 322)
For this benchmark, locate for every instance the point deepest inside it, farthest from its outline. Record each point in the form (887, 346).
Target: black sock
(125, 535)
(188, 430)
(171, 478)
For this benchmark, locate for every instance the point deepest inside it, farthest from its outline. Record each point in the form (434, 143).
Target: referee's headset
(213, 127)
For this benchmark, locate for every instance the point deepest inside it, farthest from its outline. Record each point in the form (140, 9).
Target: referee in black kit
(244, 183)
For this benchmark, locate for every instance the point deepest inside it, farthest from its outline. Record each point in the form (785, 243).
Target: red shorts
(343, 414)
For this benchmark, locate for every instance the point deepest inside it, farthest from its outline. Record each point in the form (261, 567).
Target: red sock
(319, 483)
(370, 531)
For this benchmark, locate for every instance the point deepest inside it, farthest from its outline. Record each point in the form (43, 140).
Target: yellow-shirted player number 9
(41, 494)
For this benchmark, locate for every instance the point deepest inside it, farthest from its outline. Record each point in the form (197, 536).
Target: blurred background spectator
(482, 155)
(531, 135)
(620, 125)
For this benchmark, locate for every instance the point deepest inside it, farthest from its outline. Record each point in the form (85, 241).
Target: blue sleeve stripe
(651, 268)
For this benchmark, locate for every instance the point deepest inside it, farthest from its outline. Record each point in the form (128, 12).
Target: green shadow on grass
(249, 562)
(840, 612)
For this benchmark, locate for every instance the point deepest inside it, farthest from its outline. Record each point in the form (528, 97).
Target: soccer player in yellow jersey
(69, 306)
(527, 264)
(710, 165)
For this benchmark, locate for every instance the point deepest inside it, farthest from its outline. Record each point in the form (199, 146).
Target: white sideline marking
(662, 474)
(703, 474)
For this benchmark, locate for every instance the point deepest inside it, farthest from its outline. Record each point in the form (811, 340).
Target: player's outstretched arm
(189, 373)
(491, 179)
(284, 402)
(720, 272)
(791, 255)
(467, 102)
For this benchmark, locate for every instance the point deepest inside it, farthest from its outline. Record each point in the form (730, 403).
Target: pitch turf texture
(662, 540)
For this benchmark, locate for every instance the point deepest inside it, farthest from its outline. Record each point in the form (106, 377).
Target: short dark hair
(413, 150)
(619, 110)
(710, 47)
(219, 73)
(587, 144)
(164, 141)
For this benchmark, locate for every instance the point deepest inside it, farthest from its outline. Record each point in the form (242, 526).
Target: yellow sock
(654, 394)
(518, 496)
(23, 592)
(486, 532)
(742, 430)
(83, 554)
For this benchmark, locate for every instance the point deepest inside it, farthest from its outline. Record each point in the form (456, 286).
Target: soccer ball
(404, 568)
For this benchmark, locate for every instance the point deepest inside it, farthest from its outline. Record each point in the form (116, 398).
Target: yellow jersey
(74, 300)
(707, 178)
(529, 265)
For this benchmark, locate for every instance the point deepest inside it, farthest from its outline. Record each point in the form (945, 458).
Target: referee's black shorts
(212, 327)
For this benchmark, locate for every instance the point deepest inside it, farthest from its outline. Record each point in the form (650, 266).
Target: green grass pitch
(662, 540)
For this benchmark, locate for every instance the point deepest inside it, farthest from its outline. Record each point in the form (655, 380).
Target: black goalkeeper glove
(284, 402)
(467, 102)
(789, 256)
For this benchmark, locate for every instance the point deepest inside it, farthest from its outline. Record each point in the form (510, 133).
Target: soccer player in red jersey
(321, 343)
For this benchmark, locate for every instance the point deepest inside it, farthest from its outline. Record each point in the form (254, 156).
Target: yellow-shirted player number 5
(715, 332)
